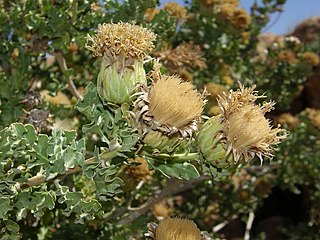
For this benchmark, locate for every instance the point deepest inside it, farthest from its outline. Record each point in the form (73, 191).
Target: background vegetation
(55, 130)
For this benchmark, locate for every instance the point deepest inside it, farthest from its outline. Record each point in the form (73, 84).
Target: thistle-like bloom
(175, 229)
(123, 47)
(167, 111)
(121, 40)
(241, 132)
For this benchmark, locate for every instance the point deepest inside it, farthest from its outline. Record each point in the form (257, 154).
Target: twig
(218, 227)
(133, 194)
(40, 178)
(174, 186)
(63, 65)
(248, 226)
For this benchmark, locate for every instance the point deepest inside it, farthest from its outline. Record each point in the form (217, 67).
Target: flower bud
(117, 86)
(210, 144)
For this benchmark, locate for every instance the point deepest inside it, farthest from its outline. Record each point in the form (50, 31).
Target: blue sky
(295, 11)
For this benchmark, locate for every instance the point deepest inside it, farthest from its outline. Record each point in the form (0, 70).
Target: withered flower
(139, 172)
(311, 58)
(175, 10)
(241, 131)
(314, 116)
(182, 59)
(150, 14)
(240, 19)
(288, 56)
(288, 119)
(167, 111)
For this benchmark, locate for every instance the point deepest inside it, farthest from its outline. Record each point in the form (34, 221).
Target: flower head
(139, 172)
(126, 39)
(186, 54)
(169, 107)
(175, 10)
(240, 19)
(150, 14)
(314, 116)
(311, 58)
(246, 131)
(123, 47)
(175, 229)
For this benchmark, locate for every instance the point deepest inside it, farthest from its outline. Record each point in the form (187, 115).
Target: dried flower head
(32, 99)
(240, 19)
(40, 119)
(150, 14)
(212, 3)
(175, 10)
(288, 119)
(169, 107)
(246, 131)
(214, 90)
(160, 210)
(311, 58)
(288, 56)
(314, 116)
(226, 11)
(185, 55)
(126, 39)
(139, 172)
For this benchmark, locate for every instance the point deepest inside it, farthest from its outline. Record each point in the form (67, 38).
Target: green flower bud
(211, 147)
(158, 140)
(117, 85)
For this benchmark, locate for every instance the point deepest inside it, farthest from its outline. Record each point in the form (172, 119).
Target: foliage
(64, 175)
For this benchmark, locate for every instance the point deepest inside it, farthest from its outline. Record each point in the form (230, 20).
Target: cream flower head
(246, 131)
(167, 112)
(175, 229)
(129, 40)
(170, 105)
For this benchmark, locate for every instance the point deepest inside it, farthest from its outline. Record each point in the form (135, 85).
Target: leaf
(179, 170)
(4, 207)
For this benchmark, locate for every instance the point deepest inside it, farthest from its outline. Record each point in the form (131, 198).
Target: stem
(63, 65)
(40, 178)
(181, 157)
(249, 226)
(174, 186)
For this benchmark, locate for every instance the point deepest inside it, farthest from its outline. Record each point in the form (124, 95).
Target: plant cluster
(133, 113)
